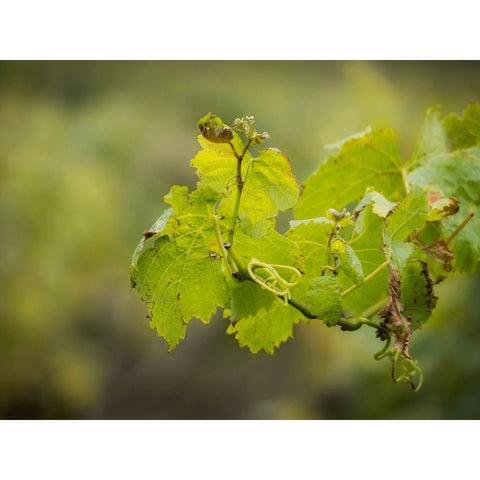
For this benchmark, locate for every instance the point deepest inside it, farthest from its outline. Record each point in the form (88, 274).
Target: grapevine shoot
(372, 236)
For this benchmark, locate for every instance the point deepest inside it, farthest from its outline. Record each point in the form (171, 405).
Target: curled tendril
(383, 352)
(408, 368)
(272, 280)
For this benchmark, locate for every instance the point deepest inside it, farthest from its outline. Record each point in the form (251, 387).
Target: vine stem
(365, 280)
(349, 324)
(374, 308)
(366, 321)
(221, 246)
(302, 308)
(460, 227)
(238, 263)
(240, 183)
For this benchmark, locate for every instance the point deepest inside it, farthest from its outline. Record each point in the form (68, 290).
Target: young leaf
(216, 164)
(348, 260)
(270, 187)
(380, 205)
(175, 271)
(369, 161)
(324, 299)
(213, 129)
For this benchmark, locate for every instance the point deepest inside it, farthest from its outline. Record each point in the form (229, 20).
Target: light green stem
(220, 244)
(366, 279)
(460, 227)
(240, 183)
(238, 262)
(329, 246)
(371, 323)
(374, 308)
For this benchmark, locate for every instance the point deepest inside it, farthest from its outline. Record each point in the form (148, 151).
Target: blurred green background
(87, 151)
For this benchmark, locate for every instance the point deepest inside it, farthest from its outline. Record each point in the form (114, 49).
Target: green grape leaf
(464, 132)
(265, 328)
(320, 220)
(337, 145)
(269, 187)
(156, 228)
(458, 132)
(404, 220)
(248, 299)
(312, 239)
(175, 271)
(367, 243)
(348, 260)
(369, 161)
(433, 138)
(417, 294)
(216, 164)
(457, 174)
(471, 116)
(259, 320)
(324, 299)
(272, 248)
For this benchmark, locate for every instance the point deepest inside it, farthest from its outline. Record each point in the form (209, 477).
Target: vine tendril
(274, 282)
(408, 367)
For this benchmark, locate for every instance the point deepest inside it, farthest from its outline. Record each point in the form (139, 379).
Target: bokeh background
(87, 151)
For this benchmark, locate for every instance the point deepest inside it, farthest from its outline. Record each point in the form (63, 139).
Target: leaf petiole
(460, 227)
(365, 280)
(221, 246)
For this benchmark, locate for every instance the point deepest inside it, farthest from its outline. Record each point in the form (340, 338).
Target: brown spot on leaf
(356, 213)
(432, 298)
(147, 234)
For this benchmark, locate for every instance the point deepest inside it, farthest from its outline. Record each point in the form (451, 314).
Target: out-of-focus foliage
(87, 152)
